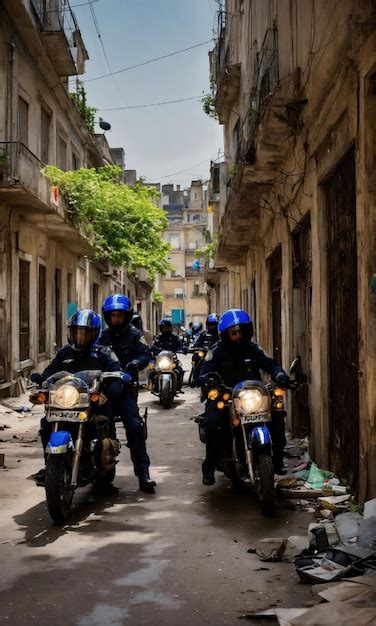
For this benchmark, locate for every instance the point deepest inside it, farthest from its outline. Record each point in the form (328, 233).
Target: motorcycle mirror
(296, 365)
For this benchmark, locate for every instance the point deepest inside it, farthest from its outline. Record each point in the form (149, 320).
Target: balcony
(23, 186)
(61, 36)
(193, 273)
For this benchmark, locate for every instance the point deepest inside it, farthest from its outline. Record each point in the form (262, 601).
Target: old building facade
(295, 93)
(45, 271)
(184, 289)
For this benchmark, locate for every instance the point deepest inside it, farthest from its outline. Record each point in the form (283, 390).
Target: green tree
(123, 223)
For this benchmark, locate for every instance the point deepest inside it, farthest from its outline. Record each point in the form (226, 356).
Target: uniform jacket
(72, 361)
(206, 339)
(168, 341)
(237, 362)
(129, 345)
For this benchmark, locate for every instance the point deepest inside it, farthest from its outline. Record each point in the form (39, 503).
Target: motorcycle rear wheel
(265, 488)
(59, 493)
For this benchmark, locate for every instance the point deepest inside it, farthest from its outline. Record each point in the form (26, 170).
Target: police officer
(166, 340)
(82, 353)
(131, 348)
(236, 358)
(207, 338)
(196, 330)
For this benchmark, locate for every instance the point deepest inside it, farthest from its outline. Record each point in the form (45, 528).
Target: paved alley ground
(176, 557)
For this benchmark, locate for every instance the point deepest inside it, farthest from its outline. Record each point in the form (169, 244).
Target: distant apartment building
(184, 288)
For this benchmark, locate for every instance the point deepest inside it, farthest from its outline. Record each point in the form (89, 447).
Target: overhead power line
(189, 168)
(151, 104)
(165, 56)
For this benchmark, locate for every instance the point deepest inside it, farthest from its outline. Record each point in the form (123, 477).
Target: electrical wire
(150, 104)
(165, 56)
(96, 25)
(190, 168)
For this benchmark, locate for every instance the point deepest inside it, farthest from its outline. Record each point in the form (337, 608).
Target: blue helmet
(83, 329)
(212, 322)
(165, 323)
(117, 302)
(236, 317)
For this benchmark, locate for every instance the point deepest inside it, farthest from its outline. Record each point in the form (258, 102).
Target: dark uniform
(206, 339)
(131, 349)
(236, 362)
(173, 343)
(92, 358)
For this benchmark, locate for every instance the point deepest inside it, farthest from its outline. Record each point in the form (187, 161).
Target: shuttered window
(24, 310)
(23, 121)
(42, 342)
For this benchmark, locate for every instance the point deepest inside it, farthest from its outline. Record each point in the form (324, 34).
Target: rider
(166, 340)
(236, 358)
(131, 348)
(196, 330)
(82, 353)
(207, 338)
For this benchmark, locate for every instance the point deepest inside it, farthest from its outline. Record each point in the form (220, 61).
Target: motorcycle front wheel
(265, 486)
(59, 492)
(166, 396)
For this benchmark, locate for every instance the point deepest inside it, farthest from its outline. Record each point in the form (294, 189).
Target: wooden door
(301, 324)
(343, 321)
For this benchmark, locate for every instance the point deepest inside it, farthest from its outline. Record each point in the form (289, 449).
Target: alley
(179, 556)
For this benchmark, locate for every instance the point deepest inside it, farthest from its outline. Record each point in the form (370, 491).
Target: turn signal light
(226, 396)
(151, 366)
(201, 354)
(173, 365)
(278, 392)
(42, 397)
(82, 416)
(220, 405)
(95, 397)
(213, 394)
(279, 405)
(236, 421)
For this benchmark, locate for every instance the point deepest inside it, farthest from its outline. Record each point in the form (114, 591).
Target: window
(61, 153)
(69, 287)
(45, 123)
(95, 296)
(196, 288)
(175, 241)
(178, 292)
(24, 309)
(42, 343)
(23, 121)
(58, 308)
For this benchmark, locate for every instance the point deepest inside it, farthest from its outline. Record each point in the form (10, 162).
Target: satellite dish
(104, 125)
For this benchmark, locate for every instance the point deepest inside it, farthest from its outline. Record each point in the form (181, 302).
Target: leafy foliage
(208, 105)
(86, 112)
(157, 296)
(209, 250)
(123, 223)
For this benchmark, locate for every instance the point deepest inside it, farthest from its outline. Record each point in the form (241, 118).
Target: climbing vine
(123, 223)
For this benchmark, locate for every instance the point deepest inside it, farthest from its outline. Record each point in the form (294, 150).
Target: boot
(145, 482)
(208, 478)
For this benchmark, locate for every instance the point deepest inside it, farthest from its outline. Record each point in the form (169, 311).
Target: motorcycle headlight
(67, 396)
(164, 363)
(251, 400)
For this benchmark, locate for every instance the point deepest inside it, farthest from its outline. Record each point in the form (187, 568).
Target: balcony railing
(60, 32)
(18, 165)
(192, 273)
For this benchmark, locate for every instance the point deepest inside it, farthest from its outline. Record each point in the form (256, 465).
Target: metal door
(343, 321)
(301, 323)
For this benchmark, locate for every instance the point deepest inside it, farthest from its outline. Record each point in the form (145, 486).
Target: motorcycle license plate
(253, 419)
(65, 416)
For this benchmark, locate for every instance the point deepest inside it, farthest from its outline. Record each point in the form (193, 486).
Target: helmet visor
(81, 337)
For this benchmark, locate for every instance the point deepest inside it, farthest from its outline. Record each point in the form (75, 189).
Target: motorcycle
(80, 450)
(165, 378)
(248, 455)
(198, 358)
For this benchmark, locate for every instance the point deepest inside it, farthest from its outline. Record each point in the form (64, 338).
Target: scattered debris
(271, 549)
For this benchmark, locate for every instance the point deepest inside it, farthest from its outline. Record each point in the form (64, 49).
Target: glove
(131, 368)
(283, 379)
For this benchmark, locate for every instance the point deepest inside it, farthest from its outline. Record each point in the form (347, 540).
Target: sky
(159, 142)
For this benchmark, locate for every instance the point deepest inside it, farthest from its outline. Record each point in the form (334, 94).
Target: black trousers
(127, 408)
